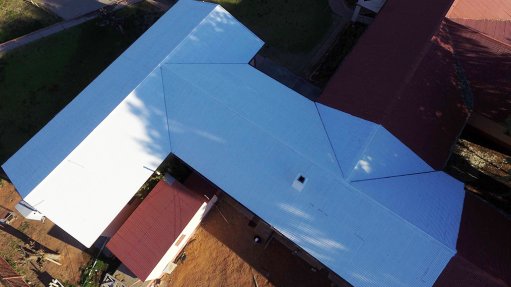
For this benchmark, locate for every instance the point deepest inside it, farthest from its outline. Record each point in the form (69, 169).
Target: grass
(290, 25)
(38, 80)
(20, 17)
(92, 274)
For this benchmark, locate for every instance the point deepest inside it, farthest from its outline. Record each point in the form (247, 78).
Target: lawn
(38, 80)
(20, 17)
(289, 25)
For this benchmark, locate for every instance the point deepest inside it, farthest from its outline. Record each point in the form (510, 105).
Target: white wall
(174, 250)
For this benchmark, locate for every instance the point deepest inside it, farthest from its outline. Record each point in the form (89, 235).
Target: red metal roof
(9, 277)
(481, 9)
(401, 74)
(484, 238)
(486, 63)
(461, 272)
(484, 252)
(496, 29)
(154, 226)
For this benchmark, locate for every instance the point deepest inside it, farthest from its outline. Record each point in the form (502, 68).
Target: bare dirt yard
(19, 239)
(223, 253)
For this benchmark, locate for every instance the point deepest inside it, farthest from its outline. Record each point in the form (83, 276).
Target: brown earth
(36, 235)
(223, 253)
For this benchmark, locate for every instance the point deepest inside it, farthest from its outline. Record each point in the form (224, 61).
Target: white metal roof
(105, 144)
(370, 209)
(245, 153)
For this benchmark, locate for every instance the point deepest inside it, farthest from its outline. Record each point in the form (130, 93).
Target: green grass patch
(38, 80)
(290, 25)
(93, 273)
(20, 17)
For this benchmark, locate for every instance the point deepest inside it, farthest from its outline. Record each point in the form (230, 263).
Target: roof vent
(299, 182)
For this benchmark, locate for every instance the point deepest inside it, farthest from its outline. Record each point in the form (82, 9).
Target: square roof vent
(299, 182)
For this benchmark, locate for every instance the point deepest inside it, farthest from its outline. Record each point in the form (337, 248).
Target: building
(342, 188)
(156, 232)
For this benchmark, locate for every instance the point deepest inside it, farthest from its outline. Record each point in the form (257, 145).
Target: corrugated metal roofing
(154, 226)
(252, 137)
(218, 140)
(391, 78)
(9, 277)
(496, 29)
(439, 213)
(484, 237)
(366, 150)
(128, 107)
(481, 10)
(487, 66)
(461, 272)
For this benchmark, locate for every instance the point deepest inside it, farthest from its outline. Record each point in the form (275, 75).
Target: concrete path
(41, 33)
(55, 28)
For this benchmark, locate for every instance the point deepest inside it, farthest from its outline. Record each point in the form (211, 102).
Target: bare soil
(37, 235)
(223, 253)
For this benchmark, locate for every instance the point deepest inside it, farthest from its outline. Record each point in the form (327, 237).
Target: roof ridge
(484, 19)
(374, 130)
(328, 137)
(394, 176)
(261, 128)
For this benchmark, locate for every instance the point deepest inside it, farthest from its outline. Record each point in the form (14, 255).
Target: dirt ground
(20, 233)
(223, 253)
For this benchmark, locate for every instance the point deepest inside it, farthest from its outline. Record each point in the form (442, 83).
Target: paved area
(41, 33)
(66, 24)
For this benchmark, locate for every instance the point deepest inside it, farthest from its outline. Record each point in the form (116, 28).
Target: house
(156, 232)
(402, 75)
(481, 41)
(430, 66)
(421, 70)
(342, 188)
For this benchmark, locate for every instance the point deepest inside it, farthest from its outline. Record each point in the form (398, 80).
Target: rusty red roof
(461, 272)
(486, 62)
(481, 9)
(496, 29)
(153, 227)
(401, 74)
(484, 252)
(9, 277)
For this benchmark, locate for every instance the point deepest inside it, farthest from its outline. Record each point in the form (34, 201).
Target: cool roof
(185, 87)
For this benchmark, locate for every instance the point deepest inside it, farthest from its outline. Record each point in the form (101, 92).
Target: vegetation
(171, 165)
(38, 80)
(290, 25)
(20, 17)
(92, 274)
